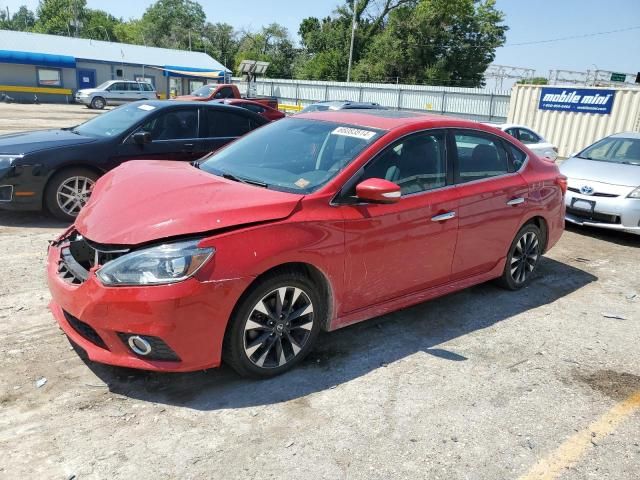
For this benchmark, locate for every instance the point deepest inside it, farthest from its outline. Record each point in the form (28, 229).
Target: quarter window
(416, 163)
(49, 77)
(479, 157)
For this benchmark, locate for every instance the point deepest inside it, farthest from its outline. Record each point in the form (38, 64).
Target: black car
(56, 169)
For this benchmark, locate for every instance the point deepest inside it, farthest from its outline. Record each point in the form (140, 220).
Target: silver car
(115, 92)
(604, 184)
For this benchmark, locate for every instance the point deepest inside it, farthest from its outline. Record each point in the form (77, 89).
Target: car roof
(635, 135)
(390, 119)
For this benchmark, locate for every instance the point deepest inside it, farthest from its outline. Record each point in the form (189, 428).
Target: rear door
(397, 249)
(174, 136)
(223, 125)
(493, 199)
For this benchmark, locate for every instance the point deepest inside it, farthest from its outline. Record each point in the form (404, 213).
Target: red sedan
(310, 223)
(267, 112)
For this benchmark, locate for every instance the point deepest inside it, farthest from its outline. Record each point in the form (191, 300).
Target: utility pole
(353, 35)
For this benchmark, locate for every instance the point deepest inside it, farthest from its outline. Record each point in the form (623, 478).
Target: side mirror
(378, 190)
(141, 138)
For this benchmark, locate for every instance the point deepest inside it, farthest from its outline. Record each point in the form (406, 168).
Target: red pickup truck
(221, 91)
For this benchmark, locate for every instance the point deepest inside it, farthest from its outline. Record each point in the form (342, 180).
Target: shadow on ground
(354, 351)
(620, 238)
(30, 220)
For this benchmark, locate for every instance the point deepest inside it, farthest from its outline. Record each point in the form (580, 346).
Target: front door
(401, 248)
(86, 79)
(174, 136)
(492, 197)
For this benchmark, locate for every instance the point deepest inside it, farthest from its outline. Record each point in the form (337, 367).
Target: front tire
(68, 191)
(274, 326)
(98, 103)
(523, 258)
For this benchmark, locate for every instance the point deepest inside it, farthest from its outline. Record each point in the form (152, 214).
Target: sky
(528, 21)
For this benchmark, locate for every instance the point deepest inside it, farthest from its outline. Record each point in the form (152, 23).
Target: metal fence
(475, 104)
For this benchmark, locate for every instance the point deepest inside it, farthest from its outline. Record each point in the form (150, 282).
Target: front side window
(528, 137)
(615, 150)
(225, 92)
(416, 164)
(49, 77)
(174, 125)
(479, 157)
(118, 87)
(294, 155)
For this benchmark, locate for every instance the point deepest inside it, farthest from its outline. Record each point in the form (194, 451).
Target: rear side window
(227, 124)
(479, 157)
(528, 137)
(133, 87)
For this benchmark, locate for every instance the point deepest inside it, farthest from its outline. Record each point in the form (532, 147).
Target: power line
(584, 35)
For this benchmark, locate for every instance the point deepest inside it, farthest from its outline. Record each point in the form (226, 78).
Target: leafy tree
(271, 44)
(173, 23)
(23, 20)
(220, 41)
(60, 17)
(450, 42)
(534, 81)
(100, 25)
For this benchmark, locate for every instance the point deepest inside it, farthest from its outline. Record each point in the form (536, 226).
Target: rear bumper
(613, 213)
(190, 317)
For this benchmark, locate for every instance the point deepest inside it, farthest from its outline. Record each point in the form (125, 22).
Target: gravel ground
(481, 384)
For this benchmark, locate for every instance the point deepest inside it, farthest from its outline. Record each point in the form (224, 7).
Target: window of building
(49, 77)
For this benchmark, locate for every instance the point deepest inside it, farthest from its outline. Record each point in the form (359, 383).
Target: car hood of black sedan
(29, 142)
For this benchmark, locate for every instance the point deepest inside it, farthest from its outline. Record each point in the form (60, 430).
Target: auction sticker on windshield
(146, 107)
(354, 132)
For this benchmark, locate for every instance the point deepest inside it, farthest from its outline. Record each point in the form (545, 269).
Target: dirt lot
(482, 384)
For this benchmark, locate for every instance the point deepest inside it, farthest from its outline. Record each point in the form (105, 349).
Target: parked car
(116, 92)
(341, 105)
(222, 91)
(310, 223)
(531, 139)
(604, 184)
(56, 169)
(269, 113)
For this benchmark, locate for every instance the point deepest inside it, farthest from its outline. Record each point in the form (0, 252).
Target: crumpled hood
(605, 172)
(142, 201)
(29, 142)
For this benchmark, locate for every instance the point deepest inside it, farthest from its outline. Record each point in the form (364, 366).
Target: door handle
(515, 201)
(443, 217)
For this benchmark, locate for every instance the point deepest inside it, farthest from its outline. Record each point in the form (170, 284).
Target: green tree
(173, 24)
(100, 25)
(534, 81)
(271, 44)
(446, 42)
(23, 20)
(60, 17)
(220, 40)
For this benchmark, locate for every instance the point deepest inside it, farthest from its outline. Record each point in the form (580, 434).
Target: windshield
(203, 91)
(110, 124)
(614, 150)
(316, 107)
(103, 86)
(293, 155)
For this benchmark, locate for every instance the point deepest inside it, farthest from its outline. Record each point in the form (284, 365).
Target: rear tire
(68, 191)
(98, 103)
(523, 258)
(275, 325)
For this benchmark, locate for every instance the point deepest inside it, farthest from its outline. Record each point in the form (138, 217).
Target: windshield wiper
(248, 181)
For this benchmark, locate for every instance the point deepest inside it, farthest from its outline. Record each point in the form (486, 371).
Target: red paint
(228, 91)
(265, 110)
(376, 257)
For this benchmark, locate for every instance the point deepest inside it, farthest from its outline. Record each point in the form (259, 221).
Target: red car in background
(269, 113)
(310, 223)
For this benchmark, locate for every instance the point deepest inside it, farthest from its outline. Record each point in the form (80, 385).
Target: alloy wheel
(525, 257)
(73, 193)
(278, 327)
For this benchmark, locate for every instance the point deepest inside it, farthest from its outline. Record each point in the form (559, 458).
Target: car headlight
(635, 193)
(7, 160)
(159, 265)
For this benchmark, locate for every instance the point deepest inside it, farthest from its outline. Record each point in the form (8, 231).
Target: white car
(116, 92)
(531, 139)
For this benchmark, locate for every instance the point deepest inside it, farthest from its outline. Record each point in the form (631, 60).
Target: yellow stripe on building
(22, 89)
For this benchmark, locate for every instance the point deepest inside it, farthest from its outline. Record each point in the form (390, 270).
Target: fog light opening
(139, 345)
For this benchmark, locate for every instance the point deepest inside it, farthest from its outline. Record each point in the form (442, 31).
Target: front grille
(79, 255)
(594, 217)
(597, 194)
(85, 330)
(159, 349)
